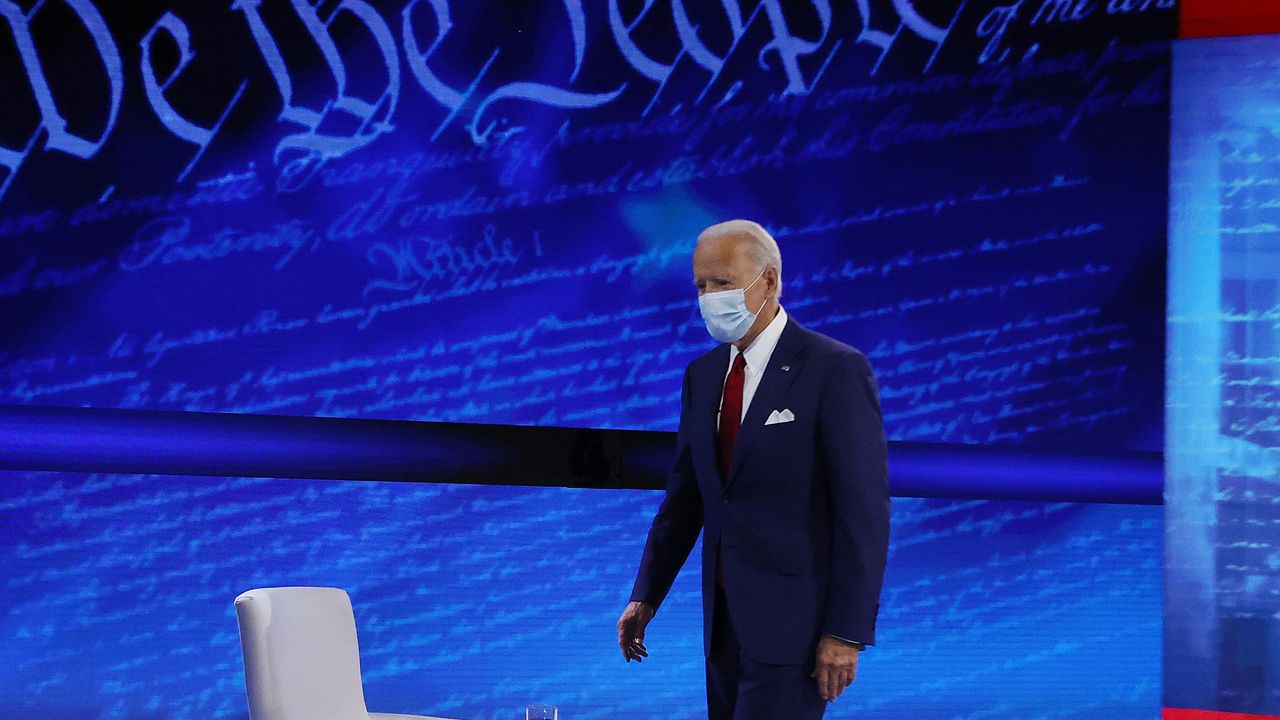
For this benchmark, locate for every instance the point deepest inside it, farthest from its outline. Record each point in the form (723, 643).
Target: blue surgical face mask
(726, 313)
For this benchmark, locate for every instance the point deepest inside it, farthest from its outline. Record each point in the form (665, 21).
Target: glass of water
(541, 712)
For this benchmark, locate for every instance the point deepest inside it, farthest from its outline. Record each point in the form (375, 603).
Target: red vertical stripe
(1215, 18)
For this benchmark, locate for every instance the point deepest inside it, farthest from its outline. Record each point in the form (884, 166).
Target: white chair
(301, 658)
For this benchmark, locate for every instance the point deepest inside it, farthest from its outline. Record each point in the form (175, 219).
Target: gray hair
(763, 248)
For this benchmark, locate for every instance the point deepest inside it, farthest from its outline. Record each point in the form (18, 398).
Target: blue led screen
(472, 601)
(1222, 456)
(484, 211)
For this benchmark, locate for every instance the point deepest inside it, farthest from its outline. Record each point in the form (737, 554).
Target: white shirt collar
(758, 352)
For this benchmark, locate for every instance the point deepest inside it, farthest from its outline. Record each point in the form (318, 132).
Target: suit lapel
(773, 383)
(709, 400)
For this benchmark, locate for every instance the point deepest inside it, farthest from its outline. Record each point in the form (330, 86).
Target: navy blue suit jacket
(802, 519)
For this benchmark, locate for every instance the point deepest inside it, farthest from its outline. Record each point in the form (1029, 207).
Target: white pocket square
(780, 416)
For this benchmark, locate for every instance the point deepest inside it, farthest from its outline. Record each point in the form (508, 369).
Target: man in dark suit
(781, 461)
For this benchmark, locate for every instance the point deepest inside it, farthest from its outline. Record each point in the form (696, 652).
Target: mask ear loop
(753, 282)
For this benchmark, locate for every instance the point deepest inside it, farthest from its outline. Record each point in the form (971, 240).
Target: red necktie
(730, 421)
(731, 414)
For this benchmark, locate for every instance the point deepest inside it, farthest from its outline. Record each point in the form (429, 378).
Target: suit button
(726, 499)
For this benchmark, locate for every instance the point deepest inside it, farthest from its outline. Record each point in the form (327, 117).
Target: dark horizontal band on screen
(74, 439)
(1191, 714)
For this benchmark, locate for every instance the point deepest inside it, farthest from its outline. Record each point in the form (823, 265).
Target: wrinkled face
(725, 263)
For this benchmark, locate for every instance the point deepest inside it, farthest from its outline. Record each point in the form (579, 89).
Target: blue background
(473, 601)
(976, 201)
(1222, 462)
(979, 206)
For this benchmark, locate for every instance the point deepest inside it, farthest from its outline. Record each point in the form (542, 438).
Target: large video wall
(483, 211)
(469, 211)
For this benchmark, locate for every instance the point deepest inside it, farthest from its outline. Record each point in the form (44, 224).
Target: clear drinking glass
(541, 712)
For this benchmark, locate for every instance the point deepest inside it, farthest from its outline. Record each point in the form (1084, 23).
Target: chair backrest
(301, 657)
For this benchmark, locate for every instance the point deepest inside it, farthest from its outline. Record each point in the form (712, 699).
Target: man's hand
(631, 627)
(835, 666)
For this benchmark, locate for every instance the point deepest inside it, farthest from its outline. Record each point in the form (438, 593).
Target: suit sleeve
(679, 520)
(855, 454)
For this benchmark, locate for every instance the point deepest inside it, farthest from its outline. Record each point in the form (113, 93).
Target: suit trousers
(739, 688)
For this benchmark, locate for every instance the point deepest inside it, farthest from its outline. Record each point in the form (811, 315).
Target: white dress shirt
(757, 358)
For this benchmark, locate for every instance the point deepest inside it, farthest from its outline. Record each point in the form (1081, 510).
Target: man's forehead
(724, 266)
(719, 250)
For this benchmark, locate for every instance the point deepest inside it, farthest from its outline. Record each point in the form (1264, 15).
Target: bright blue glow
(472, 601)
(1222, 456)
